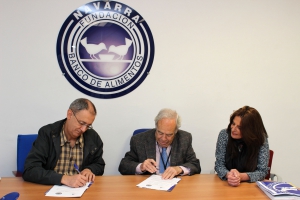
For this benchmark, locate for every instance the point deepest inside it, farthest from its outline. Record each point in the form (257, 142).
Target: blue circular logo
(105, 49)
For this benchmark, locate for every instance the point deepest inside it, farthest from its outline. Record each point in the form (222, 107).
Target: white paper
(157, 183)
(66, 191)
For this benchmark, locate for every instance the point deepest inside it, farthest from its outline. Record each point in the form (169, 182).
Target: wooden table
(201, 186)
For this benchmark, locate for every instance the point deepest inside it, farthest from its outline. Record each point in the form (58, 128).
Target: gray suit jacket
(142, 147)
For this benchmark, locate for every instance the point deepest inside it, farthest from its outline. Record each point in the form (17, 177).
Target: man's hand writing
(75, 181)
(89, 174)
(149, 165)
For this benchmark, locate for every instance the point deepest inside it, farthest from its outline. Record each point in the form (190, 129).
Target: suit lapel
(150, 145)
(174, 150)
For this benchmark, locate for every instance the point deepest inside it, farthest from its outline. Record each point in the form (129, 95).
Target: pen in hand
(76, 168)
(154, 165)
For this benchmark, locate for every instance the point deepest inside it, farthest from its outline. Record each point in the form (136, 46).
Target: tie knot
(164, 148)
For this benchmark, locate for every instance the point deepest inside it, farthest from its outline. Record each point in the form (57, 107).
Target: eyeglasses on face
(88, 126)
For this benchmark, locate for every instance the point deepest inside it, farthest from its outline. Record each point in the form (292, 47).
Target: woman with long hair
(242, 151)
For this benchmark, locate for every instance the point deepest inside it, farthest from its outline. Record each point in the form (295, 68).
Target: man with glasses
(68, 151)
(165, 150)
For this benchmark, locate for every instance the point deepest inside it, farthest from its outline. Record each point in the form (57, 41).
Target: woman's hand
(233, 178)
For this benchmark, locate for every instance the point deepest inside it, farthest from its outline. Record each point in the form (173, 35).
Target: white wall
(211, 57)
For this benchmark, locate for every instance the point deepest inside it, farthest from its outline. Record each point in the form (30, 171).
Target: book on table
(279, 190)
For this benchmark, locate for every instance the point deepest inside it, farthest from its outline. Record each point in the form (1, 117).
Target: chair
(10, 196)
(272, 175)
(137, 131)
(270, 164)
(269, 175)
(24, 145)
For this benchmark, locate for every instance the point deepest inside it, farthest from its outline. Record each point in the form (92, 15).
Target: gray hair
(82, 104)
(169, 114)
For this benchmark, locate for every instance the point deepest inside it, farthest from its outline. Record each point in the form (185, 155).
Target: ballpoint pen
(76, 168)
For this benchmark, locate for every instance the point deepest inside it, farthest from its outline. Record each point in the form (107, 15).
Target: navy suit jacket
(143, 146)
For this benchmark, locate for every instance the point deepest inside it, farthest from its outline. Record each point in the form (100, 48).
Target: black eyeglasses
(82, 123)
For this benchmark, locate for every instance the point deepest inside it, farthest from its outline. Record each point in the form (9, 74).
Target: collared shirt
(186, 171)
(69, 155)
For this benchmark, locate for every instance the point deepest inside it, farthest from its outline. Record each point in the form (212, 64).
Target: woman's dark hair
(253, 134)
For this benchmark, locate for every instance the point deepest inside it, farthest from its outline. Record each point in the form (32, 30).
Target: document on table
(157, 183)
(66, 191)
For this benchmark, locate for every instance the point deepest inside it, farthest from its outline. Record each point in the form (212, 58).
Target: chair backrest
(24, 145)
(137, 131)
(270, 164)
(11, 196)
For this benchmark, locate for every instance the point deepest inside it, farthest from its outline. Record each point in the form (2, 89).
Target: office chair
(270, 164)
(272, 175)
(10, 196)
(137, 131)
(24, 145)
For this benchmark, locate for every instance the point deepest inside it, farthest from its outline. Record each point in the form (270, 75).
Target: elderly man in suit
(165, 150)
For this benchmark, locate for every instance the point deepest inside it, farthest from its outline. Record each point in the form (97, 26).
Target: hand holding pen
(149, 165)
(77, 180)
(86, 172)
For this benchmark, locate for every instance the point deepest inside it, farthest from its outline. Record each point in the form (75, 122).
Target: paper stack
(66, 191)
(155, 182)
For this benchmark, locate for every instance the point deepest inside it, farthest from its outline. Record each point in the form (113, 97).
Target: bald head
(83, 104)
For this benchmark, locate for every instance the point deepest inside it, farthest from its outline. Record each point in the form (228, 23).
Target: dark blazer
(143, 146)
(42, 159)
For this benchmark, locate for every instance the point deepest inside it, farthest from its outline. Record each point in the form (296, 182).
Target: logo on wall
(105, 49)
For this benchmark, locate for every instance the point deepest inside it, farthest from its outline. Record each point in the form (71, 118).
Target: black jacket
(41, 160)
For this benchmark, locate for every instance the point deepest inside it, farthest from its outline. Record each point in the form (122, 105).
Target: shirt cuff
(138, 169)
(186, 171)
